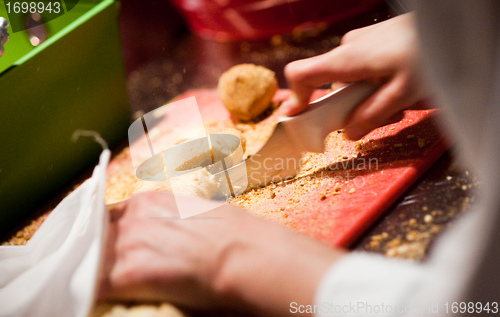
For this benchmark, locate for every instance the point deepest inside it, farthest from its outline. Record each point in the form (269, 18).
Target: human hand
(223, 258)
(385, 54)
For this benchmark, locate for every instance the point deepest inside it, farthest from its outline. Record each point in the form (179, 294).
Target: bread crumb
(377, 237)
(428, 218)
(391, 253)
(411, 236)
(276, 40)
(421, 143)
(435, 229)
(337, 189)
(394, 243)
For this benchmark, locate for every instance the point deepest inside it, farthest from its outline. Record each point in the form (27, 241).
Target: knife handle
(327, 114)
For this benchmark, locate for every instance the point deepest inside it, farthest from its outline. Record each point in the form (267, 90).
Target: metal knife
(279, 159)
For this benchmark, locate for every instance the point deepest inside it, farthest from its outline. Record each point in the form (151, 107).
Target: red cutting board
(331, 210)
(337, 204)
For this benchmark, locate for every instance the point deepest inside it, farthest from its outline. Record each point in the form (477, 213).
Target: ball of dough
(247, 89)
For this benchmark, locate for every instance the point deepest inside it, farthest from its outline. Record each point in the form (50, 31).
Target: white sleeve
(364, 284)
(352, 287)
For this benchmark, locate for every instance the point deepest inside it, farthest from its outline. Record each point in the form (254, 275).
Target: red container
(226, 20)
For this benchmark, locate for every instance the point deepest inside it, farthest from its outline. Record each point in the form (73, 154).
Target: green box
(74, 80)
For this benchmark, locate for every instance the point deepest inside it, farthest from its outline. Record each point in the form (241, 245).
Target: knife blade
(280, 158)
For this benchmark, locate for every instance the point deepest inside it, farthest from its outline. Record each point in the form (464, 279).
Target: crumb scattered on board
(417, 229)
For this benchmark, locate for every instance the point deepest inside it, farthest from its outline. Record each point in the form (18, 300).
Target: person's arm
(385, 54)
(225, 257)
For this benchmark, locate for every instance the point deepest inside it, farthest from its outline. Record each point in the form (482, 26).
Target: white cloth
(363, 284)
(55, 273)
(460, 42)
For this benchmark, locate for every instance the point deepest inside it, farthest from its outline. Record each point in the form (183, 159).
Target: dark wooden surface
(410, 227)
